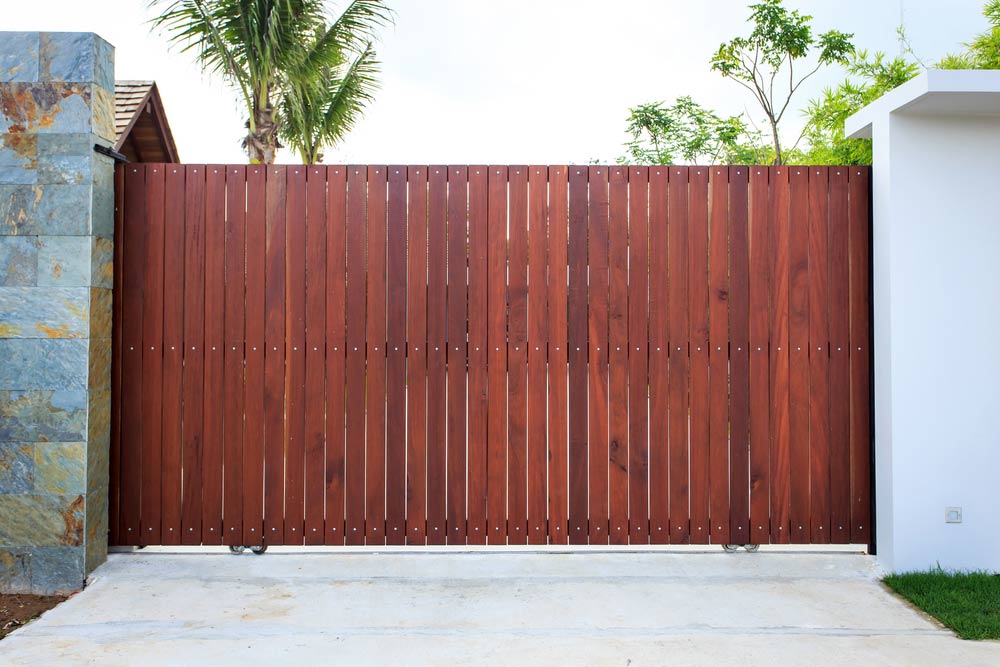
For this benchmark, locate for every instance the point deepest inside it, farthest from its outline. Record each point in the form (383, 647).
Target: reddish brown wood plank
(134, 250)
(336, 356)
(194, 355)
(638, 349)
(718, 354)
(295, 354)
(577, 355)
(760, 439)
(233, 354)
(819, 374)
(860, 265)
(597, 321)
(517, 369)
(698, 447)
(496, 288)
(416, 360)
(739, 359)
(354, 462)
(537, 346)
(375, 399)
(315, 361)
(659, 356)
(798, 343)
(215, 254)
(173, 354)
(458, 201)
(152, 356)
(395, 387)
(274, 355)
(778, 248)
(437, 281)
(679, 371)
(114, 455)
(840, 367)
(558, 239)
(618, 295)
(253, 447)
(477, 429)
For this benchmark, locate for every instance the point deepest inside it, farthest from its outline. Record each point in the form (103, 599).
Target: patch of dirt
(16, 610)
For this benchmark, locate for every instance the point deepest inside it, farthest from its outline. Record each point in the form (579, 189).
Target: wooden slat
(215, 276)
(517, 370)
(819, 374)
(558, 431)
(840, 367)
(437, 281)
(798, 344)
(477, 429)
(760, 438)
(718, 354)
(354, 461)
(496, 467)
(659, 358)
(618, 356)
(597, 320)
(233, 404)
(274, 355)
(537, 345)
(173, 354)
(315, 336)
(416, 361)
(375, 334)
(194, 355)
(860, 230)
(253, 448)
(152, 356)
(115, 450)
(638, 284)
(458, 201)
(133, 243)
(778, 249)
(295, 354)
(739, 361)
(698, 287)
(679, 371)
(576, 343)
(395, 388)
(336, 355)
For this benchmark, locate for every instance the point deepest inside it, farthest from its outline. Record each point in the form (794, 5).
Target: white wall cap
(936, 92)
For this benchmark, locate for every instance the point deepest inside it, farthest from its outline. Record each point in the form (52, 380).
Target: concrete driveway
(650, 608)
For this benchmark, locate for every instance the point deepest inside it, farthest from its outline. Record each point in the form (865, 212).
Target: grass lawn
(967, 602)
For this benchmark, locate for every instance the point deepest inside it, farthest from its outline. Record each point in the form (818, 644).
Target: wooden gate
(491, 354)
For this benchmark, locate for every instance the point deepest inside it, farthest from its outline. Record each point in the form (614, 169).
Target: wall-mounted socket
(953, 515)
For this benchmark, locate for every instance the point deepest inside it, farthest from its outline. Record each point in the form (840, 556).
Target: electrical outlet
(953, 515)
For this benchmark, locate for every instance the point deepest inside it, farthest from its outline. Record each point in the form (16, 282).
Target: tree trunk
(777, 142)
(261, 143)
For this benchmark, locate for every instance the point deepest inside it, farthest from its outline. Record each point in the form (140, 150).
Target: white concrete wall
(937, 339)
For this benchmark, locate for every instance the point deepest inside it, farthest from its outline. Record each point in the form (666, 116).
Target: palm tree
(278, 54)
(313, 118)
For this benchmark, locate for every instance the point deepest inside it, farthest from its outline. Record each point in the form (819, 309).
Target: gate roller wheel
(730, 548)
(237, 549)
(751, 547)
(259, 550)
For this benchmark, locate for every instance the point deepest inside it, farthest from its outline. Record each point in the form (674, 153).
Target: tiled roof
(129, 97)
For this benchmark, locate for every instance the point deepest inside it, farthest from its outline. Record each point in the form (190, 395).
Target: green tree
(983, 52)
(765, 61)
(687, 132)
(276, 53)
(318, 117)
(869, 77)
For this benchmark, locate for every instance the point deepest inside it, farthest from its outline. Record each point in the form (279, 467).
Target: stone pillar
(56, 249)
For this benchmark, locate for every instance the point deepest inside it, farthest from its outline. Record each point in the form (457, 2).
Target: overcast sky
(511, 81)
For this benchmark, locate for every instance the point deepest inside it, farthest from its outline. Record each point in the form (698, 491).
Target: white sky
(504, 81)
